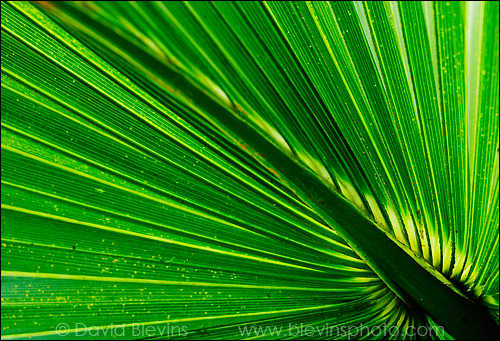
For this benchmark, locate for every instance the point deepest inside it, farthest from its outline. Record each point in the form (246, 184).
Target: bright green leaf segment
(218, 166)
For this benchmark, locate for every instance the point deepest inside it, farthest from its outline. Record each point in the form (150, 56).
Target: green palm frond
(206, 169)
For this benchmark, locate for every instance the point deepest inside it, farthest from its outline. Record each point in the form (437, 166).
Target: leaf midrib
(412, 279)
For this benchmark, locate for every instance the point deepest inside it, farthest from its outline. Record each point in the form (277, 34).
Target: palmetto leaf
(200, 169)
